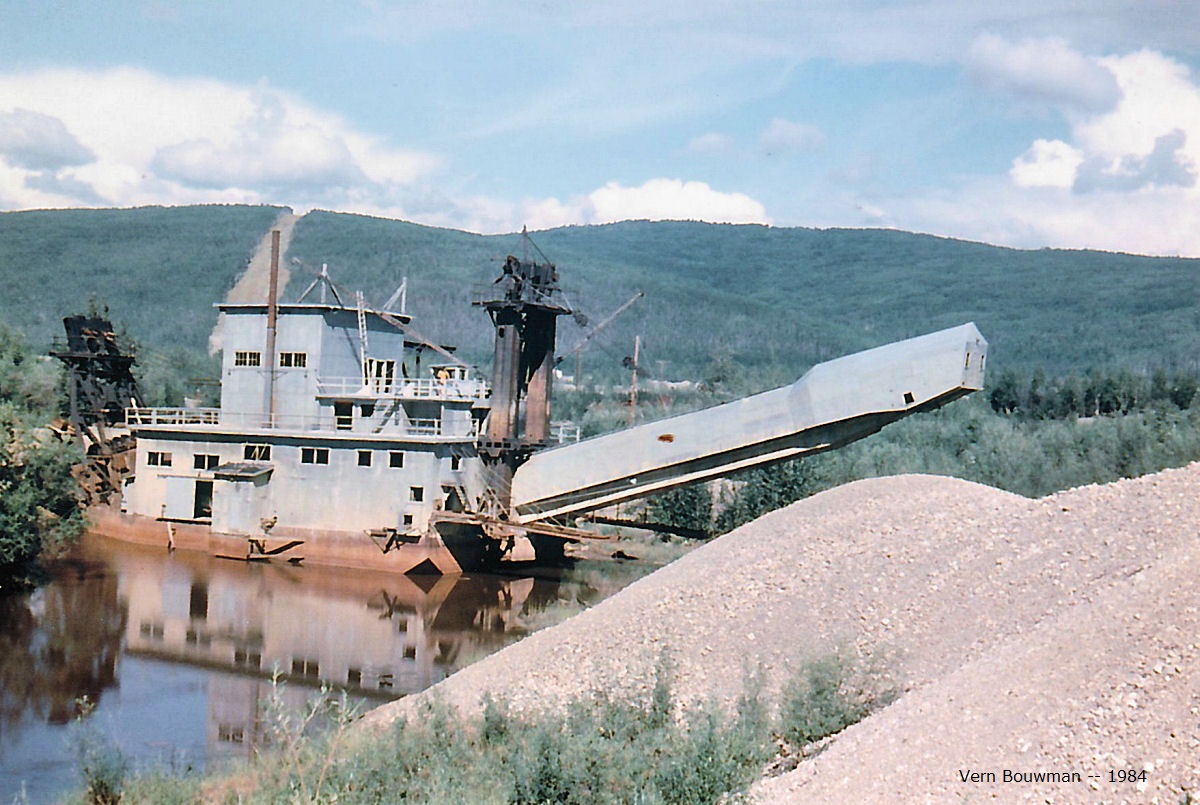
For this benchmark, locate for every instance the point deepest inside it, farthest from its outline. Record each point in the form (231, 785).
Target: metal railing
(172, 416)
(564, 432)
(421, 388)
(215, 418)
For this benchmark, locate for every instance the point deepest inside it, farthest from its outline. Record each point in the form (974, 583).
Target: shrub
(825, 697)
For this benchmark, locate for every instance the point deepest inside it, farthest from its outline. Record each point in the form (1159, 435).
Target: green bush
(39, 508)
(824, 698)
(610, 747)
(101, 762)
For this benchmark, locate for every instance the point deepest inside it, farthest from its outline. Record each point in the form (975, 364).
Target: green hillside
(766, 301)
(159, 269)
(779, 300)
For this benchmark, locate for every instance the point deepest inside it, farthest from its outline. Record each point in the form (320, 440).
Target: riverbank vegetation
(610, 747)
(1028, 433)
(39, 508)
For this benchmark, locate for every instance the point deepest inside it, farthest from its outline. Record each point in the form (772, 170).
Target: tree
(39, 506)
(687, 507)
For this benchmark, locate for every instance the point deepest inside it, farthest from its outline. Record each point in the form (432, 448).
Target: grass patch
(606, 748)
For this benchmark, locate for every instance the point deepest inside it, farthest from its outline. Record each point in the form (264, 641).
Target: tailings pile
(1059, 634)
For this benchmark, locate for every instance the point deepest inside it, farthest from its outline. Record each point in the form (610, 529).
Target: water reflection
(178, 651)
(59, 644)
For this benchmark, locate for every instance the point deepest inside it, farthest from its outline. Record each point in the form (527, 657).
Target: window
(416, 493)
(247, 359)
(314, 455)
(407, 519)
(455, 463)
(205, 461)
(157, 458)
(257, 452)
(379, 374)
(302, 667)
(152, 630)
(247, 657)
(293, 360)
(396, 459)
(343, 415)
(364, 458)
(198, 639)
(231, 734)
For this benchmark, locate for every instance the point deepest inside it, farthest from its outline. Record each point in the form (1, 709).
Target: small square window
(314, 455)
(407, 519)
(205, 461)
(396, 459)
(156, 458)
(293, 360)
(364, 458)
(257, 452)
(416, 494)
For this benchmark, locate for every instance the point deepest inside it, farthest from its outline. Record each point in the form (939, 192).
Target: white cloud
(672, 199)
(1159, 96)
(1044, 71)
(126, 137)
(1164, 166)
(1150, 138)
(1124, 180)
(269, 149)
(38, 142)
(785, 136)
(655, 199)
(1160, 222)
(1047, 163)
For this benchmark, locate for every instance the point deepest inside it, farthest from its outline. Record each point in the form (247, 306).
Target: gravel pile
(1053, 635)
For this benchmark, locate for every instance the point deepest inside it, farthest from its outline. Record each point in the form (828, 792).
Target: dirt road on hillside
(255, 282)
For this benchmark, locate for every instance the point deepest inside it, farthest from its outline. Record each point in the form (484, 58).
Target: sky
(1032, 123)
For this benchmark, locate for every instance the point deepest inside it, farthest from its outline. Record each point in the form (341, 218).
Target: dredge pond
(176, 652)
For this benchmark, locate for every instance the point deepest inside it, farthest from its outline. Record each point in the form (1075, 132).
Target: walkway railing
(422, 388)
(214, 418)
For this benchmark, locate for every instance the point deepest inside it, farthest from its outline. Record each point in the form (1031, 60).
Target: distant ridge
(768, 300)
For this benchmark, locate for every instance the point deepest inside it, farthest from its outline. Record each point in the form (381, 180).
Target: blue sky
(1052, 123)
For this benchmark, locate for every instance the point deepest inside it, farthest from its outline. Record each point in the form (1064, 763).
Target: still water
(176, 651)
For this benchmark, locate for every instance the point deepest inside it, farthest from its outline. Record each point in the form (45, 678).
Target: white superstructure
(340, 422)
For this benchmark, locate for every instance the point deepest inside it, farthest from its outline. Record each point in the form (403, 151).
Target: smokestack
(272, 320)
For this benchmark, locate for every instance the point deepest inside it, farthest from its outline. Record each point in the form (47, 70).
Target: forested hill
(770, 300)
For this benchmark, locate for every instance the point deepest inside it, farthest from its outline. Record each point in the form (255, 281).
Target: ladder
(362, 336)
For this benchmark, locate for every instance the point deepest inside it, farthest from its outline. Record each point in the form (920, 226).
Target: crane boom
(600, 327)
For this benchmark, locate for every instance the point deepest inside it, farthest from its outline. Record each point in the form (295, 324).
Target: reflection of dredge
(329, 430)
(376, 636)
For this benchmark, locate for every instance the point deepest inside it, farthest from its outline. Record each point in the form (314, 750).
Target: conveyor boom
(834, 403)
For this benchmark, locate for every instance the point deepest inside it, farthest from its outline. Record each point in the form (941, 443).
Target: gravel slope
(1052, 635)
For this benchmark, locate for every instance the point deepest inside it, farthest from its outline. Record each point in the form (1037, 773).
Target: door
(204, 494)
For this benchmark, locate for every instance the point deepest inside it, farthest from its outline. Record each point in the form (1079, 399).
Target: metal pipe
(272, 322)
